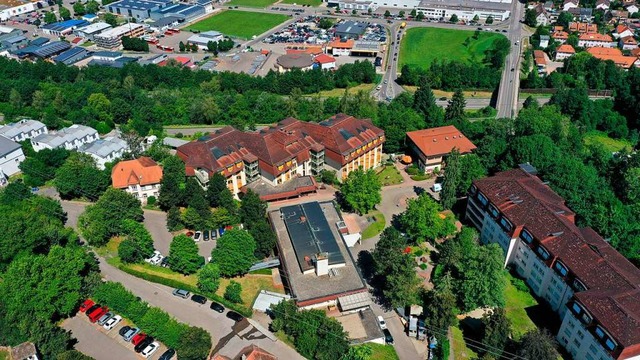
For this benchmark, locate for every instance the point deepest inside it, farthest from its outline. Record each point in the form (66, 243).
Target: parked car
(86, 304)
(181, 293)
(130, 334)
(382, 323)
(165, 262)
(205, 235)
(199, 299)
(123, 330)
(167, 355)
(98, 313)
(388, 339)
(234, 316)
(91, 309)
(197, 236)
(143, 344)
(104, 318)
(155, 259)
(138, 338)
(111, 323)
(216, 307)
(150, 349)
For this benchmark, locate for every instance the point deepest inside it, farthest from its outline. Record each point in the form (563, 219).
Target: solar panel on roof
(345, 134)
(217, 153)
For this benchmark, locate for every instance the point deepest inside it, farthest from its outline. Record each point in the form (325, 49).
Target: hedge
(180, 285)
(151, 320)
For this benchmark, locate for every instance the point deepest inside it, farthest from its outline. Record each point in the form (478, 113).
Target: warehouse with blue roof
(63, 28)
(44, 51)
(72, 55)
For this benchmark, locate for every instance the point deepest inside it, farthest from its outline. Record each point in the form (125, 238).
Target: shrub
(233, 292)
(423, 266)
(519, 284)
(151, 200)
(418, 252)
(413, 170)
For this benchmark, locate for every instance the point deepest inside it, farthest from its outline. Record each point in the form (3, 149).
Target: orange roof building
(140, 177)
(431, 146)
(251, 352)
(598, 51)
(560, 36)
(564, 51)
(583, 28)
(614, 55)
(593, 40)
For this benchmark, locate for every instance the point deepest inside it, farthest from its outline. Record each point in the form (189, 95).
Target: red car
(138, 338)
(97, 314)
(86, 304)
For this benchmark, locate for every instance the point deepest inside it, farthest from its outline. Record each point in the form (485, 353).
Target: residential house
(431, 146)
(560, 36)
(140, 177)
(632, 9)
(23, 130)
(596, 40)
(105, 150)
(617, 16)
(582, 14)
(11, 156)
(615, 55)
(325, 62)
(564, 51)
(593, 288)
(24, 351)
(570, 4)
(627, 43)
(622, 31)
(544, 41)
(288, 150)
(603, 4)
(583, 27)
(251, 352)
(549, 5)
(70, 138)
(542, 17)
(540, 60)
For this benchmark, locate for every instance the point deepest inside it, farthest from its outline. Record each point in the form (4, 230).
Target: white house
(11, 156)
(603, 5)
(628, 43)
(622, 31)
(568, 4)
(105, 150)
(140, 177)
(564, 51)
(542, 17)
(544, 41)
(633, 8)
(326, 62)
(23, 130)
(70, 138)
(596, 40)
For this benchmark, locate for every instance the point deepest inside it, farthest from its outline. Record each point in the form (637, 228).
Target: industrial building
(16, 8)
(319, 270)
(202, 39)
(350, 29)
(185, 12)
(112, 38)
(72, 55)
(436, 9)
(63, 28)
(45, 51)
(138, 9)
(88, 32)
(592, 288)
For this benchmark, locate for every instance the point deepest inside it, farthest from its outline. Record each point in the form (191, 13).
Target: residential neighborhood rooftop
(440, 141)
(141, 171)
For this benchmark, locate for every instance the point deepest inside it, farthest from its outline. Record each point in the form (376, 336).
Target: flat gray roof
(466, 4)
(342, 279)
(7, 146)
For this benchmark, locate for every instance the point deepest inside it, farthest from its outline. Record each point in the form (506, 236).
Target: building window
(578, 285)
(544, 254)
(506, 224)
(526, 236)
(473, 190)
(593, 349)
(483, 199)
(561, 269)
(580, 334)
(493, 211)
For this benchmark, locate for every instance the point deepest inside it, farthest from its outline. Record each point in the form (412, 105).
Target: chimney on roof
(322, 263)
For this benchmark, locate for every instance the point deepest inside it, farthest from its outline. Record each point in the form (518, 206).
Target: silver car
(181, 293)
(103, 319)
(130, 334)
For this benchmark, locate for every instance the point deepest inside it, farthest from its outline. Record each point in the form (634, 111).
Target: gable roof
(141, 171)
(324, 59)
(7, 146)
(596, 37)
(440, 141)
(566, 48)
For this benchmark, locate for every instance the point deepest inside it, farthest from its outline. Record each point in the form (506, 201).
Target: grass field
(337, 92)
(516, 303)
(250, 3)
(459, 345)
(420, 46)
(242, 24)
(389, 175)
(376, 227)
(4, 355)
(382, 352)
(303, 2)
(612, 145)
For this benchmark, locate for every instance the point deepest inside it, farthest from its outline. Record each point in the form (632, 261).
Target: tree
(401, 13)
(420, 16)
(439, 307)
(325, 23)
(358, 352)
(454, 114)
(537, 344)
(454, 19)
(496, 330)
(135, 44)
(529, 102)
(138, 244)
(128, 251)
(79, 9)
(471, 168)
(65, 14)
(15, 192)
(172, 179)
(73, 355)
(174, 219)
(209, 278)
(181, 46)
(424, 102)
(476, 18)
(92, 7)
(194, 344)
(79, 177)
(530, 17)
(216, 185)
(183, 255)
(234, 253)
(252, 209)
(233, 292)
(482, 278)
(564, 19)
(452, 179)
(422, 221)
(361, 190)
(387, 14)
(264, 237)
(489, 20)
(111, 19)
(328, 177)
(106, 217)
(49, 17)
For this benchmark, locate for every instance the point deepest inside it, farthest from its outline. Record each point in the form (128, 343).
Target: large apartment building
(285, 151)
(593, 288)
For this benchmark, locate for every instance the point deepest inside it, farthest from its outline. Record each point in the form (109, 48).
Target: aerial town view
(320, 179)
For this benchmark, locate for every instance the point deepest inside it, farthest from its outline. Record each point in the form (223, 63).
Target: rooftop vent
(446, 138)
(434, 140)
(557, 233)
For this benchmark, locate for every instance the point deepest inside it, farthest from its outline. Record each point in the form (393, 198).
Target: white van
(436, 187)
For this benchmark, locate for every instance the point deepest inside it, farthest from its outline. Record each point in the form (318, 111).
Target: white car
(381, 322)
(149, 350)
(197, 236)
(155, 259)
(111, 323)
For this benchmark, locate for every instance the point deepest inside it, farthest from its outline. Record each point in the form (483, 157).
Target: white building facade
(70, 138)
(23, 130)
(11, 156)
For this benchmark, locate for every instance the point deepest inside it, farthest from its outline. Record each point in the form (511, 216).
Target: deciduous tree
(361, 190)
(422, 220)
(183, 255)
(234, 252)
(537, 344)
(452, 177)
(496, 330)
(233, 292)
(209, 278)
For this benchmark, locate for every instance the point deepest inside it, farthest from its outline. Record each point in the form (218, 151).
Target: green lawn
(389, 176)
(516, 302)
(612, 145)
(250, 3)
(459, 345)
(4, 355)
(420, 46)
(382, 352)
(242, 24)
(376, 227)
(303, 2)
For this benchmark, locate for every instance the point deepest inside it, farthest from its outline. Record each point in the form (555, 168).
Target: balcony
(202, 176)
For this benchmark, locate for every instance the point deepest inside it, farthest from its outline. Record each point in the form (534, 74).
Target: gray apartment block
(23, 130)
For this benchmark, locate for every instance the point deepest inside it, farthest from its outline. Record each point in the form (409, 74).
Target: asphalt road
(508, 92)
(97, 344)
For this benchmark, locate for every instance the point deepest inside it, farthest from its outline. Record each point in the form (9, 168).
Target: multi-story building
(138, 9)
(593, 288)
(431, 146)
(283, 152)
(70, 138)
(23, 130)
(140, 177)
(11, 156)
(596, 40)
(112, 38)
(105, 150)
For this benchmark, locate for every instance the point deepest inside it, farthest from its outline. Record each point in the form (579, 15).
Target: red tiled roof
(604, 51)
(596, 37)
(337, 43)
(141, 171)
(560, 35)
(440, 141)
(610, 278)
(324, 59)
(566, 48)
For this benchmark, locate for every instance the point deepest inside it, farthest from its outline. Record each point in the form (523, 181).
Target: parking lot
(97, 342)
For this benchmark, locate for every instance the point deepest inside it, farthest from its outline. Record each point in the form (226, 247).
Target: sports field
(242, 24)
(250, 3)
(303, 2)
(420, 46)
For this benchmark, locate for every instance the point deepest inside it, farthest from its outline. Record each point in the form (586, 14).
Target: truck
(403, 25)
(412, 329)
